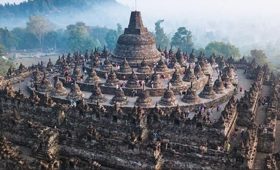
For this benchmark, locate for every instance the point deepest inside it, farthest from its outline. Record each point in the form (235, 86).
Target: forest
(40, 34)
(31, 7)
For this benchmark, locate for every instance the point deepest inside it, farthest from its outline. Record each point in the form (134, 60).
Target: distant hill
(35, 7)
(62, 12)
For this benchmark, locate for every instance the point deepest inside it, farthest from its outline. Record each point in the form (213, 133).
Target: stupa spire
(135, 23)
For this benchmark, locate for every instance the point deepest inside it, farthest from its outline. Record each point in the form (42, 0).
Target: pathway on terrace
(260, 119)
(244, 83)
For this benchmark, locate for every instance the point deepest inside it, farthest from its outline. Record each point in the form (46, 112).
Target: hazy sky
(247, 23)
(182, 7)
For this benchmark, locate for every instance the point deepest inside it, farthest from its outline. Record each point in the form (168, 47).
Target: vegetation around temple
(29, 8)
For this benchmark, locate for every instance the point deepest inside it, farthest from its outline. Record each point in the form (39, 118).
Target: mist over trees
(259, 56)
(64, 12)
(223, 49)
(40, 34)
(1, 50)
(39, 26)
(162, 39)
(112, 36)
(78, 38)
(183, 39)
(35, 7)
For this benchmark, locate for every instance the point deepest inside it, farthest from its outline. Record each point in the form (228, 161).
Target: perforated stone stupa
(136, 44)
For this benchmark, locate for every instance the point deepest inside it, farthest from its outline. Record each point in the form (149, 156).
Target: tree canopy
(1, 50)
(223, 49)
(39, 26)
(259, 56)
(78, 38)
(111, 39)
(35, 7)
(112, 36)
(161, 38)
(182, 39)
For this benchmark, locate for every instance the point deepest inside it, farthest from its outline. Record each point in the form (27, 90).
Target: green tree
(112, 36)
(183, 39)
(4, 63)
(7, 39)
(51, 39)
(39, 26)
(259, 56)
(111, 39)
(2, 49)
(223, 49)
(79, 39)
(25, 39)
(119, 29)
(161, 38)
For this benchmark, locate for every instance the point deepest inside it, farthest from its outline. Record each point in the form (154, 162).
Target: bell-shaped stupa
(136, 44)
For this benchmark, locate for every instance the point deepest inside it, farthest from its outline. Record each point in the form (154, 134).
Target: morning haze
(139, 84)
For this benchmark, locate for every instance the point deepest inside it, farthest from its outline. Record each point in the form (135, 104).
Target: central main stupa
(136, 44)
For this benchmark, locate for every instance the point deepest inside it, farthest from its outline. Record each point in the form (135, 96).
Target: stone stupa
(136, 44)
